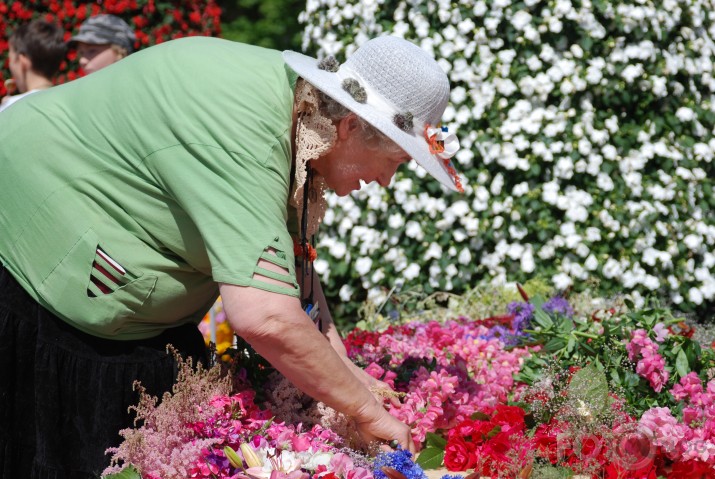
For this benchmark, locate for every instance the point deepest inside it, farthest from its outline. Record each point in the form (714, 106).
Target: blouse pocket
(94, 290)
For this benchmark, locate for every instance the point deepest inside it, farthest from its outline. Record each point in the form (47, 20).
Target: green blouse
(127, 195)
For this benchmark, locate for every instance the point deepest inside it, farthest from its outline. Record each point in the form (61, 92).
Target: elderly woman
(188, 170)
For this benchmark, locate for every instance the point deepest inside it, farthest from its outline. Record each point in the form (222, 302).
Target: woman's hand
(376, 424)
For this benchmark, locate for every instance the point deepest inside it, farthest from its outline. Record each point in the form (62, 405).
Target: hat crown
(404, 75)
(106, 28)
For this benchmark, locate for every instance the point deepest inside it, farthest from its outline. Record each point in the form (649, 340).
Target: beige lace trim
(315, 135)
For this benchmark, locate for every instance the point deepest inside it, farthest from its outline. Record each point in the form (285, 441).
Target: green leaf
(681, 364)
(554, 344)
(551, 472)
(480, 416)
(435, 440)
(590, 386)
(430, 458)
(570, 345)
(543, 319)
(127, 473)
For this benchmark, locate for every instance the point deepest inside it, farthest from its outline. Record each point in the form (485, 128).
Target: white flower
(695, 296)
(612, 268)
(338, 249)
(363, 265)
(322, 267)
(497, 184)
(685, 114)
(612, 124)
(395, 221)
(561, 281)
(604, 182)
(527, 261)
(414, 230)
(465, 256)
(411, 272)
(433, 252)
(632, 72)
(521, 19)
(591, 263)
(692, 241)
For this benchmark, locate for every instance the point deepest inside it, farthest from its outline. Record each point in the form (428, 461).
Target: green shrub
(587, 145)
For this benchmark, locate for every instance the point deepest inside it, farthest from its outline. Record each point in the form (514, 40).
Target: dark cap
(106, 29)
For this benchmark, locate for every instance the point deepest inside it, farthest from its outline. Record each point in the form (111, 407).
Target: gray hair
(374, 138)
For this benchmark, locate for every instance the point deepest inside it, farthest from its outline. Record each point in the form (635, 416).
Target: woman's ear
(348, 126)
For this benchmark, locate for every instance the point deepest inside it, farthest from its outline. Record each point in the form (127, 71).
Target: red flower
(511, 418)
(546, 443)
(459, 455)
(195, 17)
(464, 429)
(497, 447)
(692, 470)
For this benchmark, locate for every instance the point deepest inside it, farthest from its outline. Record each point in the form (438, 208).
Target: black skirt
(64, 394)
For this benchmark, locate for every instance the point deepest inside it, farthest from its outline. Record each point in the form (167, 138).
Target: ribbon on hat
(441, 142)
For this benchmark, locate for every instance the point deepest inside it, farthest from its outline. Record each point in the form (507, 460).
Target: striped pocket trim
(106, 275)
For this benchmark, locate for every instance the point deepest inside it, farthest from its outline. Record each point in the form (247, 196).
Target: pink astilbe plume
(162, 445)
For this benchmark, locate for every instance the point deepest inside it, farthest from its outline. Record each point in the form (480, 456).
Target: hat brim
(89, 39)
(414, 145)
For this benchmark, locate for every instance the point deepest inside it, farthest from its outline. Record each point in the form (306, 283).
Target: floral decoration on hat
(444, 145)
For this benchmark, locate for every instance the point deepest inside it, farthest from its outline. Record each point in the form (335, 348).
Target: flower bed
(542, 391)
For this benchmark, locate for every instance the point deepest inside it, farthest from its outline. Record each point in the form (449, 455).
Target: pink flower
(661, 332)
(689, 386)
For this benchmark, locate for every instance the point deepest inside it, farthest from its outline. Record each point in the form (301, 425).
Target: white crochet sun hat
(399, 89)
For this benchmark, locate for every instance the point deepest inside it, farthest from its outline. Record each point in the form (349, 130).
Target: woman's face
(351, 161)
(95, 57)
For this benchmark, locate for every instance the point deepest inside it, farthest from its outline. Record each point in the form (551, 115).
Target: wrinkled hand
(376, 424)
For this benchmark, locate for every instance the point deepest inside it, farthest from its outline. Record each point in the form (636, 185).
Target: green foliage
(128, 472)
(595, 346)
(267, 23)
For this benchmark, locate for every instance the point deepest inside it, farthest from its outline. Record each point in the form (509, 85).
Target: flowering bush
(587, 149)
(153, 21)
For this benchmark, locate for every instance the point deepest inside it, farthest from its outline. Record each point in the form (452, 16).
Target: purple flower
(522, 312)
(505, 335)
(558, 305)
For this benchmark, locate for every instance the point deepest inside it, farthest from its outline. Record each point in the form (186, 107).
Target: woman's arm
(279, 330)
(327, 326)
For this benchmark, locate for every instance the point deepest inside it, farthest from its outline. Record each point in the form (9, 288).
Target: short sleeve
(238, 205)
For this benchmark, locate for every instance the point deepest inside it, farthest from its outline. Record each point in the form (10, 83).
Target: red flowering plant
(153, 22)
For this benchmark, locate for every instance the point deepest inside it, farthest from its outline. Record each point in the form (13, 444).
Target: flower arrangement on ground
(545, 389)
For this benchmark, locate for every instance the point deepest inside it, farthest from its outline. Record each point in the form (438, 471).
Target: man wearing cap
(101, 41)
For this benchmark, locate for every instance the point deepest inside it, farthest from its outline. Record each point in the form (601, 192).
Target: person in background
(101, 41)
(36, 51)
